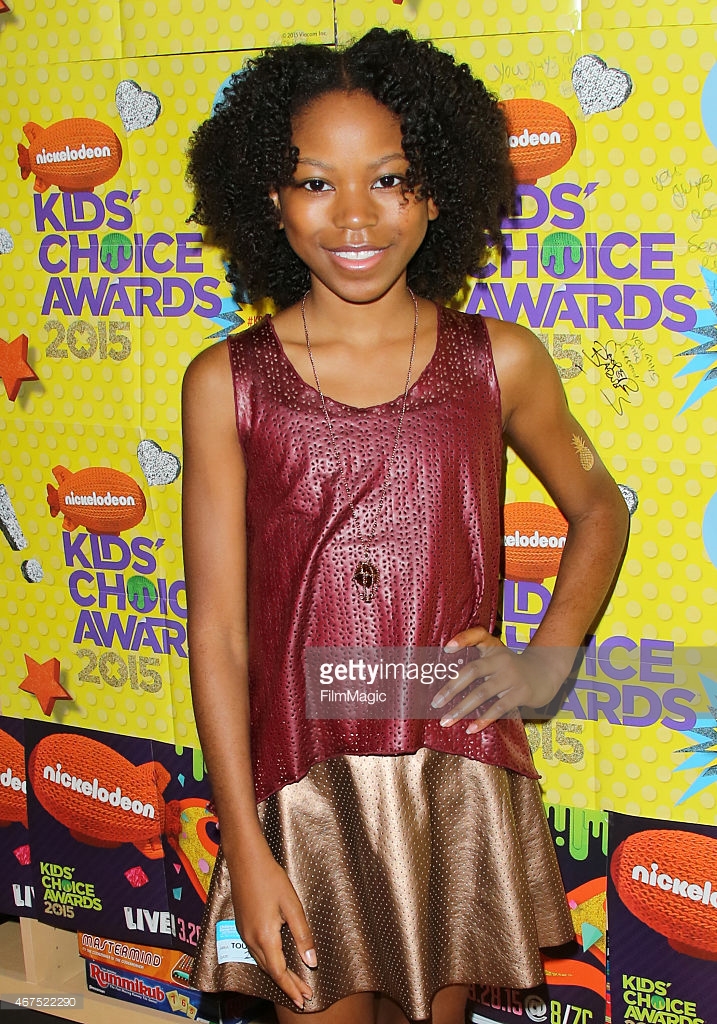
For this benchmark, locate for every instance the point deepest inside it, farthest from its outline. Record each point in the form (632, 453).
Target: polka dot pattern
(45, 620)
(424, 900)
(651, 162)
(63, 31)
(461, 18)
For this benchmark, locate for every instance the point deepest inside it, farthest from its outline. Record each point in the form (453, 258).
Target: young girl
(342, 481)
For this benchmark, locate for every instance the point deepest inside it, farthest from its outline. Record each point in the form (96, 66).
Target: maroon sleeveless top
(437, 543)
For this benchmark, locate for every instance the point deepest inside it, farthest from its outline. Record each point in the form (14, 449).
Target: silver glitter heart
(630, 496)
(32, 570)
(6, 242)
(136, 108)
(158, 466)
(598, 87)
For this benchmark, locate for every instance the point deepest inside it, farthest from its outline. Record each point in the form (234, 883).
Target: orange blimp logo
(13, 788)
(668, 879)
(541, 138)
(103, 799)
(534, 536)
(100, 796)
(77, 154)
(102, 500)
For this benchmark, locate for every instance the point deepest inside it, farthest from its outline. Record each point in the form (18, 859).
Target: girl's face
(345, 214)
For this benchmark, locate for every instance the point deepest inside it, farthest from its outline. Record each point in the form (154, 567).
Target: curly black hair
(454, 138)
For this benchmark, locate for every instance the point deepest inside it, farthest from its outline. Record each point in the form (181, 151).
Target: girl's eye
(389, 181)
(315, 185)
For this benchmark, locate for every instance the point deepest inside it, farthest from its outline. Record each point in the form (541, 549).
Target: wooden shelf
(38, 960)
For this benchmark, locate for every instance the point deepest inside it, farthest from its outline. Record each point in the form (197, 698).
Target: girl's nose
(355, 209)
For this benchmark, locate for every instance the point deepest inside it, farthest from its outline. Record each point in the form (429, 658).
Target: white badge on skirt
(231, 947)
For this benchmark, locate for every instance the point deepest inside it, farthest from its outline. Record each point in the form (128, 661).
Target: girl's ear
(274, 196)
(432, 209)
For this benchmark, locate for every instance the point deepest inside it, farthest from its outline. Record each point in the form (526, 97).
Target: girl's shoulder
(254, 338)
(208, 368)
(471, 326)
(500, 334)
(207, 392)
(525, 370)
(521, 361)
(514, 345)
(216, 363)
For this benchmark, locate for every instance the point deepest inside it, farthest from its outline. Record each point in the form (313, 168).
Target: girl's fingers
(304, 992)
(469, 638)
(466, 676)
(477, 699)
(301, 933)
(494, 712)
(275, 966)
(474, 670)
(505, 678)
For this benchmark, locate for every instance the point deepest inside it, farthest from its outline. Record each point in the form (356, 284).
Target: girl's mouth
(356, 258)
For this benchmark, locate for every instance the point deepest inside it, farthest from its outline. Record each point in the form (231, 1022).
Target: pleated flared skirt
(415, 871)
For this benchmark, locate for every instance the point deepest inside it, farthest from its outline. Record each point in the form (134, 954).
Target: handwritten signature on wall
(692, 193)
(624, 386)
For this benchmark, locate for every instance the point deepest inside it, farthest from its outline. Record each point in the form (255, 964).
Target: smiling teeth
(361, 254)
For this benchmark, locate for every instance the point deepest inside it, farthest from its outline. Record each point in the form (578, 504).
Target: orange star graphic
(14, 367)
(43, 682)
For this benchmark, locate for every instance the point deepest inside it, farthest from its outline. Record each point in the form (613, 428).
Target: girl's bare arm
(214, 541)
(540, 428)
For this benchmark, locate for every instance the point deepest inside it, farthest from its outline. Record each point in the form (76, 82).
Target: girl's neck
(361, 350)
(358, 323)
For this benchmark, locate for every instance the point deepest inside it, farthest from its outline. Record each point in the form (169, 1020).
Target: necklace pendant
(365, 579)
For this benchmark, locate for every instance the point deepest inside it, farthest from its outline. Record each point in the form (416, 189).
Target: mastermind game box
(154, 962)
(157, 977)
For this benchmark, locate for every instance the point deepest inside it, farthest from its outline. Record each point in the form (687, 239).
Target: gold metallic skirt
(415, 872)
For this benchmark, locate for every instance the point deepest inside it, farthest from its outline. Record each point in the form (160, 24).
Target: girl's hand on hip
(264, 900)
(501, 680)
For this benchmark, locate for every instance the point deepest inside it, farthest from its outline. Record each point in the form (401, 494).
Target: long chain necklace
(365, 576)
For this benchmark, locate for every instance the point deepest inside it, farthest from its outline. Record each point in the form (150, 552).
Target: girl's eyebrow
(328, 167)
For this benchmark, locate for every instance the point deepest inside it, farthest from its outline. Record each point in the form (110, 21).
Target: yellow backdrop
(613, 261)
